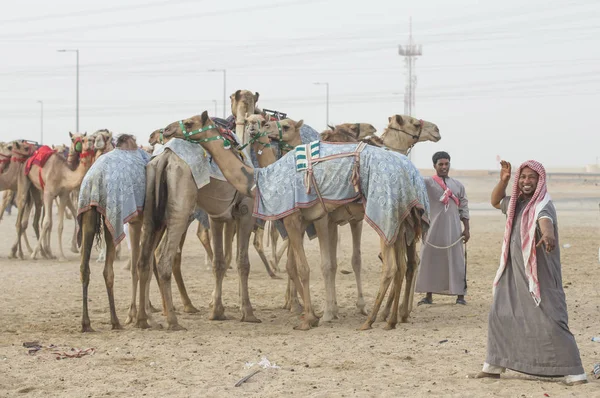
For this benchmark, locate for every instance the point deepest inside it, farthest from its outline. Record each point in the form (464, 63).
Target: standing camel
(112, 193)
(55, 179)
(171, 196)
(404, 228)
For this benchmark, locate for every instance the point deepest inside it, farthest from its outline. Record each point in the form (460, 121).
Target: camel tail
(160, 192)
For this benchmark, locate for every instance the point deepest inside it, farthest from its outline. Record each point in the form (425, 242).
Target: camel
(171, 196)
(103, 142)
(56, 179)
(93, 223)
(9, 182)
(202, 130)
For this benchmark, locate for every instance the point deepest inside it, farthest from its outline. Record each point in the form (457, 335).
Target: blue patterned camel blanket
(116, 186)
(390, 186)
(201, 163)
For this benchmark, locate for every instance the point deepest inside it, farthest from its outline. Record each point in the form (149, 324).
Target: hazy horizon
(514, 79)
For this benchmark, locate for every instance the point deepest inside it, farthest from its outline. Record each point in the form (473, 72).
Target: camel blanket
(116, 186)
(390, 186)
(39, 158)
(201, 163)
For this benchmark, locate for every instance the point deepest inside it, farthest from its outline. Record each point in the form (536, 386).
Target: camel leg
(328, 266)
(292, 302)
(61, 220)
(387, 274)
(411, 272)
(273, 237)
(284, 245)
(295, 229)
(37, 215)
(146, 265)
(164, 265)
(22, 195)
(203, 235)
(230, 227)
(259, 234)
(71, 207)
(89, 219)
(188, 307)
(135, 229)
(356, 229)
(109, 278)
(219, 268)
(245, 224)
(7, 200)
(22, 221)
(44, 242)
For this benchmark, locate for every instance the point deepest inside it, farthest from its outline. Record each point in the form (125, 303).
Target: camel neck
(235, 171)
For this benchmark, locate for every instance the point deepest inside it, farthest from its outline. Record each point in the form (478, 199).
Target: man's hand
(547, 240)
(505, 171)
(466, 235)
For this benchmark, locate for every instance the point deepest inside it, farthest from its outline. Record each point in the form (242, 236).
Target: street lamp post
(76, 87)
(326, 84)
(41, 122)
(224, 89)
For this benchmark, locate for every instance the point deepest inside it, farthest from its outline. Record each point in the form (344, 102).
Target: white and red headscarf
(528, 226)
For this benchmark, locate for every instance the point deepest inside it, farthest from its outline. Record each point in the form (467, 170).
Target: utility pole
(41, 122)
(224, 90)
(410, 51)
(76, 51)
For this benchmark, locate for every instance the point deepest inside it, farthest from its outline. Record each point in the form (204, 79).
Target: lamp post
(76, 51)
(41, 122)
(326, 84)
(224, 89)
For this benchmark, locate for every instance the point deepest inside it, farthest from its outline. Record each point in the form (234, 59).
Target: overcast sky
(519, 79)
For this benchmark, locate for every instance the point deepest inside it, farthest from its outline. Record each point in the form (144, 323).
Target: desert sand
(431, 355)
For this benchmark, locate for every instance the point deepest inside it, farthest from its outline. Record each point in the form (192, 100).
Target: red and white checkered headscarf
(528, 226)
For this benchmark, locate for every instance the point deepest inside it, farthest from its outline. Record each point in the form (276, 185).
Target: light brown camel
(56, 179)
(9, 182)
(103, 142)
(92, 224)
(171, 196)
(202, 130)
(202, 233)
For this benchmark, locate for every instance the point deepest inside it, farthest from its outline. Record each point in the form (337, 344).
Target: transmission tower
(410, 51)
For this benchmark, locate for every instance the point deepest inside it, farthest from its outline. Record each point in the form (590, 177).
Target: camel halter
(161, 137)
(187, 135)
(6, 158)
(415, 137)
(283, 146)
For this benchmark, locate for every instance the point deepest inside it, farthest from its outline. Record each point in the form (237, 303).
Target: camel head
(286, 132)
(5, 154)
(253, 126)
(339, 134)
(77, 141)
(61, 149)
(402, 132)
(102, 140)
(22, 148)
(242, 102)
(359, 130)
(148, 149)
(156, 137)
(199, 129)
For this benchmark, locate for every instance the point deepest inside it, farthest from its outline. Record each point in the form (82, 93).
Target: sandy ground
(429, 356)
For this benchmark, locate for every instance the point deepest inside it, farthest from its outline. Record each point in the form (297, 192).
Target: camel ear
(246, 115)
(399, 120)
(299, 124)
(9, 147)
(17, 145)
(256, 95)
(389, 119)
(204, 118)
(71, 135)
(238, 95)
(84, 134)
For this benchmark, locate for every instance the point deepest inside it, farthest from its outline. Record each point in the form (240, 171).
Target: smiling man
(443, 268)
(528, 323)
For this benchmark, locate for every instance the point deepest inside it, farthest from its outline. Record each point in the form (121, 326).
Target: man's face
(528, 180)
(442, 167)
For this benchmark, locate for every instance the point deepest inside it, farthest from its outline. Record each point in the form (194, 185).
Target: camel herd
(233, 206)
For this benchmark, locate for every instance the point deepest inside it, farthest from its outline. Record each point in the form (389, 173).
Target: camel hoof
(62, 260)
(129, 319)
(296, 308)
(404, 319)
(383, 317)
(117, 327)
(217, 317)
(87, 329)
(250, 318)
(365, 326)
(74, 250)
(142, 324)
(273, 276)
(329, 317)
(176, 327)
(190, 309)
(153, 309)
(362, 311)
(304, 326)
(389, 326)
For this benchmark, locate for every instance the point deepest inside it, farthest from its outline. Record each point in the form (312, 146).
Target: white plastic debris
(264, 363)
(567, 245)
